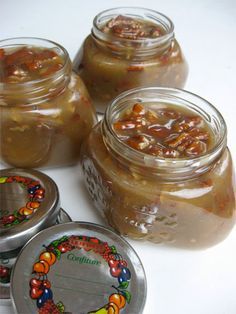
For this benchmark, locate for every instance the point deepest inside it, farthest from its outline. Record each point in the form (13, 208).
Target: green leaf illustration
(113, 249)
(123, 285)
(127, 295)
(64, 238)
(58, 253)
(60, 307)
(55, 243)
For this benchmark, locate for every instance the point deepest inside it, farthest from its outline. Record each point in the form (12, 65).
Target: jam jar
(127, 48)
(158, 168)
(45, 108)
(29, 203)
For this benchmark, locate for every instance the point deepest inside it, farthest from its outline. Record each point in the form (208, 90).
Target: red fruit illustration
(113, 263)
(36, 292)
(123, 263)
(34, 282)
(94, 240)
(46, 284)
(64, 247)
(115, 271)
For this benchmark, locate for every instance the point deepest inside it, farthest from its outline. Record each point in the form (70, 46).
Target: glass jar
(43, 119)
(184, 202)
(110, 64)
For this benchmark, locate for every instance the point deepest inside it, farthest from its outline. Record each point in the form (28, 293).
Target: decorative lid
(78, 267)
(8, 259)
(29, 203)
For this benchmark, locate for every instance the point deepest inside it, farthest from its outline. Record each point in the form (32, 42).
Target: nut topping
(164, 132)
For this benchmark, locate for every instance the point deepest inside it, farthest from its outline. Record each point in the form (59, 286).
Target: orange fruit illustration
(118, 299)
(25, 211)
(33, 205)
(41, 267)
(113, 308)
(48, 257)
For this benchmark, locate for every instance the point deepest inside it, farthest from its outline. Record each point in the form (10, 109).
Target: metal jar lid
(78, 267)
(29, 202)
(8, 261)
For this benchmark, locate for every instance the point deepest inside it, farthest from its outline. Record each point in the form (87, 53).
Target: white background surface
(179, 281)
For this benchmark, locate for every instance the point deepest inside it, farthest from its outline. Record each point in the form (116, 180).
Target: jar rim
(19, 41)
(140, 12)
(183, 97)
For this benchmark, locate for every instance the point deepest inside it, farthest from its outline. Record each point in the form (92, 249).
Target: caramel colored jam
(189, 212)
(129, 53)
(129, 28)
(27, 64)
(164, 132)
(45, 109)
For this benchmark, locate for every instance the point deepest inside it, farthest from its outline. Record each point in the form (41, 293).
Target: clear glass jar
(184, 202)
(42, 120)
(110, 65)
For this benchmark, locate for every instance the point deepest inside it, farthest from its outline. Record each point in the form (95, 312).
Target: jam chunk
(130, 28)
(164, 132)
(28, 63)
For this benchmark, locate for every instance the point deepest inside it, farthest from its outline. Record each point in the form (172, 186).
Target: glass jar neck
(38, 90)
(167, 169)
(143, 48)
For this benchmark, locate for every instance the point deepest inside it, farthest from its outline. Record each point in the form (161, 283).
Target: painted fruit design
(41, 288)
(35, 196)
(5, 273)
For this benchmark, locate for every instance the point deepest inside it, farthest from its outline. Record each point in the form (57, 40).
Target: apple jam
(45, 108)
(128, 48)
(158, 168)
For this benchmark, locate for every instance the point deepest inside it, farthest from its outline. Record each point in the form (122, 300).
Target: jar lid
(78, 267)
(29, 203)
(7, 261)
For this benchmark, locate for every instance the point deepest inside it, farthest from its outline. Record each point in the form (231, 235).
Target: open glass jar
(44, 107)
(185, 201)
(129, 47)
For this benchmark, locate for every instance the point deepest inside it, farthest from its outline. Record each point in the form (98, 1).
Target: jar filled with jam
(45, 109)
(158, 168)
(128, 48)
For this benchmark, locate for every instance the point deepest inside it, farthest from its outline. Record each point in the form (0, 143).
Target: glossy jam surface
(130, 28)
(45, 109)
(190, 212)
(109, 66)
(163, 132)
(28, 63)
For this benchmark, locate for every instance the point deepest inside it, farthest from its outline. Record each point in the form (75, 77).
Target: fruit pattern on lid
(36, 195)
(41, 287)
